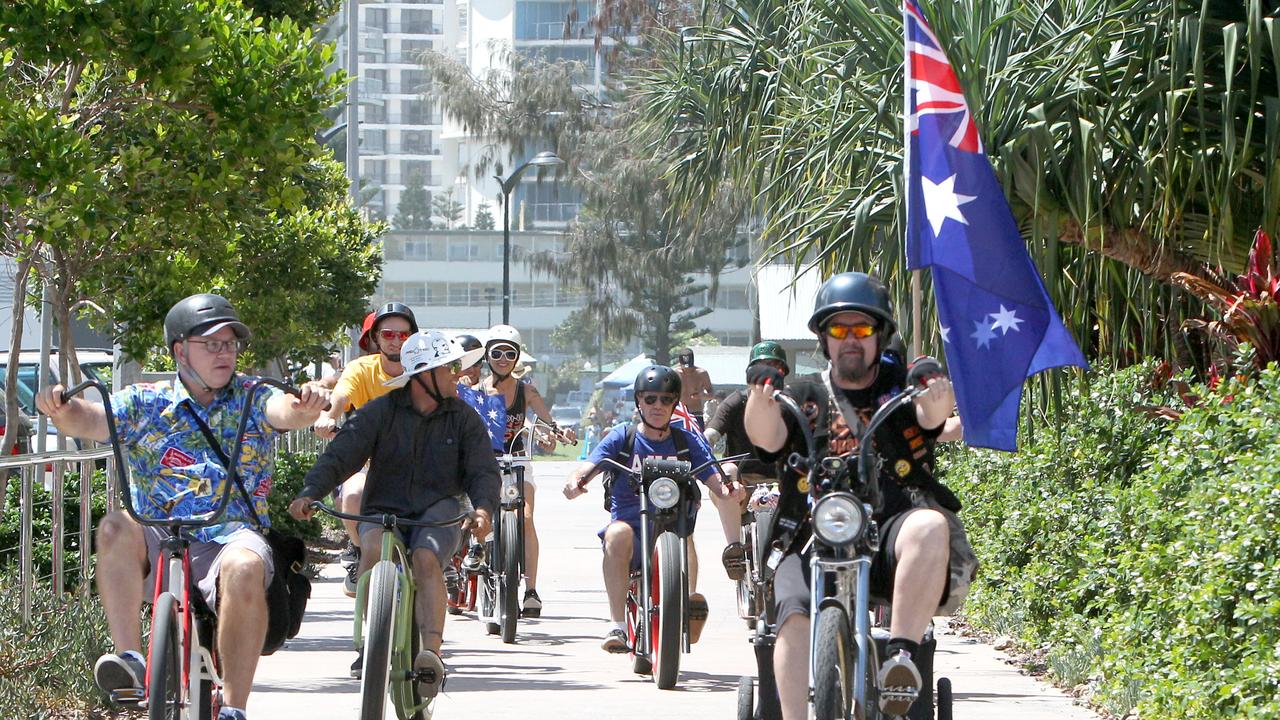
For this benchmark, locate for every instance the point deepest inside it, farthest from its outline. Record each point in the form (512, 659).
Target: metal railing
(51, 469)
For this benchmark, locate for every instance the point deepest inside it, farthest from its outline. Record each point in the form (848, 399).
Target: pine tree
(414, 210)
(446, 209)
(484, 218)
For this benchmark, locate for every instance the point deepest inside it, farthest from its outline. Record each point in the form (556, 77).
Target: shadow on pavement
(308, 685)
(692, 681)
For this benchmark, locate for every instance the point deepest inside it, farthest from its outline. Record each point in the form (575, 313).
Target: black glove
(760, 373)
(923, 369)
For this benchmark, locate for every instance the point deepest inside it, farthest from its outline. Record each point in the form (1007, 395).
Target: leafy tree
(414, 210)
(1135, 140)
(447, 209)
(484, 218)
(149, 151)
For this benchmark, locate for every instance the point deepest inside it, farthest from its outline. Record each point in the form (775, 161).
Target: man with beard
(853, 318)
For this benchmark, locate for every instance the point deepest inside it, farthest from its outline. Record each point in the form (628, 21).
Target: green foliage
(42, 524)
(1142, 551)
(484, 218)
(447, 209)
(153, 150)
(46, 669)
(414, 209)
(291, 468)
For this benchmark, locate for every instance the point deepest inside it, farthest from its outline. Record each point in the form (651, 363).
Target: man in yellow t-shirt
(362, 381)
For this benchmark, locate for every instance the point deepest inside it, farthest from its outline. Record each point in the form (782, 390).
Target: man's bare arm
(76, 417)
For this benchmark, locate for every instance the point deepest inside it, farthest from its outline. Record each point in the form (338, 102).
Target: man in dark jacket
(426, 449)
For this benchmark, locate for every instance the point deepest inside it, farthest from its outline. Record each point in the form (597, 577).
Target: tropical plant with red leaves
(1249, 310)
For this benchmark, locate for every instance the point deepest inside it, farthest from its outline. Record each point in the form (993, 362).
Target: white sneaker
(119, 672)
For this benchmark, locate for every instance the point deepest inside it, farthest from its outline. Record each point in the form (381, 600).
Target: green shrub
(42, 523)
(291, 468)
(46, 668)
(1141, 550)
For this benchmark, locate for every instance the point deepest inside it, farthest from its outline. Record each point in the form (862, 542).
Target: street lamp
(542, 159)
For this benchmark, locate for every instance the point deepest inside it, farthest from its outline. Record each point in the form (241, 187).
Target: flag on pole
(998, 325)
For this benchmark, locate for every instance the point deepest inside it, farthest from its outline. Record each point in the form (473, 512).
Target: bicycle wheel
(944, 699)
(668, 626)
(164, 675)
(831, 677)
(509, 593)
(379, 625)
(746, 698)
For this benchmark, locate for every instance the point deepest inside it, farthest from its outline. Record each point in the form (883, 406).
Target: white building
(454, 278)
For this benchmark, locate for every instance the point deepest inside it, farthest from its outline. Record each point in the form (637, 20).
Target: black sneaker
(119, 672)
(532, 606)
(429, 671)
(357, 667)
(350, 554)
(352, 581)
(474, 559)
(615, 641)
(452, 580)
(899, 682)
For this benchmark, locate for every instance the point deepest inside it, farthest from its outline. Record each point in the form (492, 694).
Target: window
(731, 298)
(549, 20)
(415, 249)
(458, 294)
(375, 171)
(415, 294)
(375, 18)
(416, 142)
(464, 18)
(373, 142)
(463, 250)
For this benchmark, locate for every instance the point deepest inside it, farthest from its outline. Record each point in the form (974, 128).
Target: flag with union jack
(997, 322)
(682, 418)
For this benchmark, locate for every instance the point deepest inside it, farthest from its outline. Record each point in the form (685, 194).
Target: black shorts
(791, 580)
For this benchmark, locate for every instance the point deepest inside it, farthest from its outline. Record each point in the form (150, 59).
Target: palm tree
(1134, 139)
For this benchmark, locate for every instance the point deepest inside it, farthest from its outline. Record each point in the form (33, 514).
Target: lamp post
(542, 159)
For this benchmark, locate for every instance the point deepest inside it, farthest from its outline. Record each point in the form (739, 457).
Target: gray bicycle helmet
(200, 315)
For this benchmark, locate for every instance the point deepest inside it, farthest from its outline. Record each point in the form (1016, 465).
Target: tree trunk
(1135, 249)
(11, 409)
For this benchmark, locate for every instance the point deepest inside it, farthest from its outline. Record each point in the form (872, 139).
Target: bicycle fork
(850, 577)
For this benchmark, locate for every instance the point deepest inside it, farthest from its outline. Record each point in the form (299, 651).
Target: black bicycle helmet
(395, 309)
(196, 314)
(469, 342)
(853, 291)
(656, 378)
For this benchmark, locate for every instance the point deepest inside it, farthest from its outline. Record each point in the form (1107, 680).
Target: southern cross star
(982, 333)
(1006, 320)
(941, 201)
(946, 333)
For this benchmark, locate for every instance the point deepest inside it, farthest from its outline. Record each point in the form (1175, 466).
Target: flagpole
(917, 332)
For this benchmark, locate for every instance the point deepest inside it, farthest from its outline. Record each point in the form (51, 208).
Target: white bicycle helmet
(503, 335)
(429, 349)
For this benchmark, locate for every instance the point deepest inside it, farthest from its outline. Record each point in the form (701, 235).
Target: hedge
(1139, 552)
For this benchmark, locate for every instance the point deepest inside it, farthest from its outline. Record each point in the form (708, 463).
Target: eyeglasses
(500, 354)
(663, 398)
(390, 335)
(215, 347)
(840, 331)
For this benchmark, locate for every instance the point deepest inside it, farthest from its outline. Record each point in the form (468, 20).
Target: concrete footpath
(556, 668)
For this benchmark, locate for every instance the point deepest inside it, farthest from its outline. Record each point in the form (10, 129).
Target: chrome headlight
(510, 492)
(664, 493)
(838, 519)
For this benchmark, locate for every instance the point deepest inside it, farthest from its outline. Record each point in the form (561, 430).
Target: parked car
(566, 415)
(94, 363)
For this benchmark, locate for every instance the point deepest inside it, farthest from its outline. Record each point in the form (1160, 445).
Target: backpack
(629, 449)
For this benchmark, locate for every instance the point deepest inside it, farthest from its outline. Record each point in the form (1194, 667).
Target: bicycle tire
(165, 671)
(944, 699)
(746, 698)
(379, 624)
(831, 677)
(668, 626)
(509, 593)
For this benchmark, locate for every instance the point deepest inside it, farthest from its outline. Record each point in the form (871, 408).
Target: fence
(51, 468)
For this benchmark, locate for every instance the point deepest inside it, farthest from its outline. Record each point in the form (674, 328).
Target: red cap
(366, 339)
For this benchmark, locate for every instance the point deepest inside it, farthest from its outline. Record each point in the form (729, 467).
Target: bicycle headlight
(510, 493)
(664, 493)
(838, 519)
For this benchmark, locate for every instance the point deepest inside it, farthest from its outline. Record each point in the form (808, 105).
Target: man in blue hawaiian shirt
(177, 473)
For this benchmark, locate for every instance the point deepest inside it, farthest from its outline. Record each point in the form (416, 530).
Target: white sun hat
(429, 349)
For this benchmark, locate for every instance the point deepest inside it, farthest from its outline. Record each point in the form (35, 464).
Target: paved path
(560, 652)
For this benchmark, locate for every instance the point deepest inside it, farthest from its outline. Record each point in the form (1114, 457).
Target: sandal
(734, 558)
(697, 608)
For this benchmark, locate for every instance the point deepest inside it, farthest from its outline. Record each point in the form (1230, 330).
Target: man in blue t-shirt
(657, 389)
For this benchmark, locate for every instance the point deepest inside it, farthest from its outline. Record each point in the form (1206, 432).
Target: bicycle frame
(199, 661)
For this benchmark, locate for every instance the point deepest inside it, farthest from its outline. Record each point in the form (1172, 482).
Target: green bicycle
(391, 642)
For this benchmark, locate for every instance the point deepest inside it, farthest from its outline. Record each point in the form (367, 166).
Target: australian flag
(998, 325)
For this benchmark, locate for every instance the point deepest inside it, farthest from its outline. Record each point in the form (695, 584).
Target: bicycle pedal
(128, 696)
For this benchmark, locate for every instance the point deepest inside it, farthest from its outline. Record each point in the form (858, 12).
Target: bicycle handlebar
(600, 467)
(388, 520)
(122, 470)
